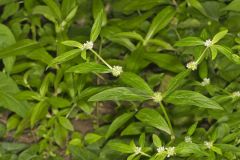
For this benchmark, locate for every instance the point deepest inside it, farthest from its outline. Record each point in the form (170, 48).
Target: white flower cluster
(208, 43)
(192, 65)
(170, 150)
(236, 94)
(160, 149)
(208, 144)
(205, 82)
(188, 139)
(137, 150)
(116, 70)
(157, 97)
(88, 45)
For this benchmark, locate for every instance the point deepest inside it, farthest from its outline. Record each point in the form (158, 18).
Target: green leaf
(198, 6)
(71, 15)
(226, 51)
(217, 150)
(59, 134)
(2, 130)
(133, 80)
(13, 147)
(45, 84)
(65, 56)
(176, 82)
(92, 137)
(131, 35)
(9, 102)
(6, 39)
(97, 7)
(58, 102)
(160, 21)
(89, 67)
(65, 123)
(134, 128)
(67, 6)
(73, 44)
(189, 41)
(9, 10)
(142, 139)
(192, 129)
(118, 122)
(120, 94)
(55, 9)
(156, 140)
(45, 11)
(20, 48)
(165, 61)
(40, 54)
(219, 36)
(188, 98)
(153, 118)
(185, 149)
(233, 6)
(120, 147)
(96, 28)
(203, 70)
(39, 111)
(213, 52)
(12, 122)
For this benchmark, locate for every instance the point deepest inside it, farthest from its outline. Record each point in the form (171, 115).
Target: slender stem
(201, 56)
(96, 54)
(168, 120)
(178, 35)
(68, 114)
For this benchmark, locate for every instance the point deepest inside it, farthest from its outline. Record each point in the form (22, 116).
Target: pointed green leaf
(189, 41)
(118, 122)
(65, 123)
(65, 56)
(191, 98)
(219, 36)
(133, 80)
(153, 118)
(96, 28)
(120, 94)
(73, 44)
(39, 111)
(176, 82)
(160, 21)
(89, 67)
(165, 61)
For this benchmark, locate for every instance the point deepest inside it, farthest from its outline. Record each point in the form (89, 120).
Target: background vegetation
(119, 79)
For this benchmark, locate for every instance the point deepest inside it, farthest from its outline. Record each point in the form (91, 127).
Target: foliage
(154, 79)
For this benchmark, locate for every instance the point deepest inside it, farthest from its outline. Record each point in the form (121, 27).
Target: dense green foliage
(120, 79)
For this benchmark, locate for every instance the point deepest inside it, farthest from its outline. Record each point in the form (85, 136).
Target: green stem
(168, 120)
(68, 114)
(96, 54)
(201, 56)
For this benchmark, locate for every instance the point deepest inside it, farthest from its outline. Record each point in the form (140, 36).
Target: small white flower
(188, 139)
(137, 150)
(208, 43)
(192, 65)
(160, 149)
(208, 144)
(205, 82)
(88, 45)
(170, 151)
(236, 94)
(157, 97)
(116, 70)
